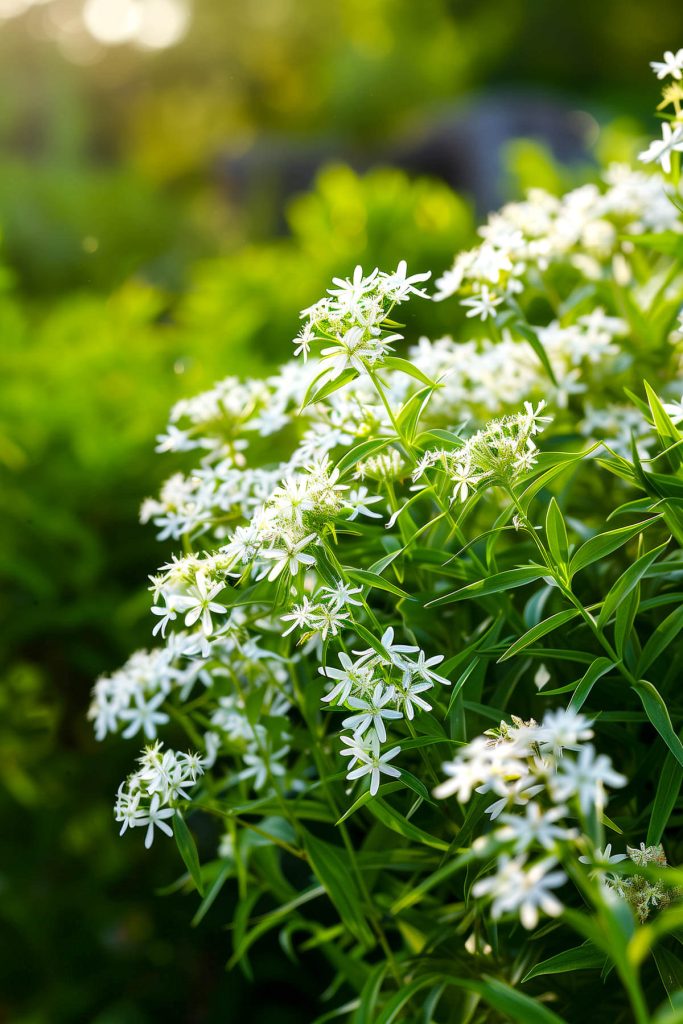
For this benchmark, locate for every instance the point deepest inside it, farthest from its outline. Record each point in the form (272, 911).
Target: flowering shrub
(390, 545)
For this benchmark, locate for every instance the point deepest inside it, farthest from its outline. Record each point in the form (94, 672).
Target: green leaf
(344, 378)
(270, 921)
(668, 434)
(371, 641)
(188, 850)
(626, 582)
(656, 711)
(534, 634)
(362, 451)
(492, 585)
(417, 786)
(212, 892)
(367, 1006)
(526, 332)
(502, 997)
(409, 416)
(403, 366)
(330, 865)
(550, 465)
(668, 788)
(556, 532)
(625, 637)
(577, 959)
(605, 543)
(390, 817)
(668, 242)
(599, 668)
(663, 635)
(415, 894)
(372, 579)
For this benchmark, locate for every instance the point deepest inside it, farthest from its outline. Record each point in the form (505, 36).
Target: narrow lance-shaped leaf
(556, 532)
(532, 635)
(362, 451)
(668, 433)
(605, 543)
(327, 389)
(507, 580)
(373, 579)
(188, 850)
(404, 366)
(657, 712)
(626, 582)
(599, 668)
(580, 958)
(536, 344)
(397, 822)
(663, 636)
(668, 788)
(330, 865)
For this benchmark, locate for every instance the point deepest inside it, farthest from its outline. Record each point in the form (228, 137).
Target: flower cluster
(500, 453)
(383, 684)
(583, 231)
(352, 322)
(542, 776)
(642, 893)
(147, 798)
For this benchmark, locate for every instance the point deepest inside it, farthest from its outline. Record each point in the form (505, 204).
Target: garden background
(171, 195)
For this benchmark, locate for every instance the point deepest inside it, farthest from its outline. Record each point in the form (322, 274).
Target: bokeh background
(177, 179)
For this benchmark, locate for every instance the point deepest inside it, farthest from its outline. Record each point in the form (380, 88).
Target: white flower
(167, 614)
(174, 440)
(536, 825)
(660, 150)
(375, 765)
(600, 860)
(302, 616)
(155, 816)
(290, 556)
(516, 887)
(671, 64)
(463, 777)
(359, 747)
(359, 500)
(341, 594)
(407, 694)
(303, 341)
(585, 778)
(464, 479)
(563, 729)
(144, 715)
(328, 621)
(261, 765)
(399, 287)
(199, 602)
(292, 499)
(351, 676)
(127, 808)
(373, 712)
(394, 651)
(423, 668)
(483, 304)
(519, 791)
(349, 292)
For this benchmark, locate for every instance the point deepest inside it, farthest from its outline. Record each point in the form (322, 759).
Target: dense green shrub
(410, 583)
